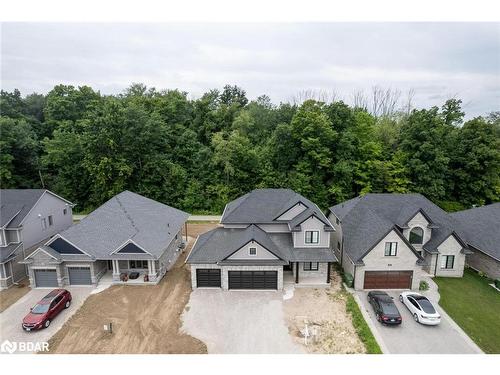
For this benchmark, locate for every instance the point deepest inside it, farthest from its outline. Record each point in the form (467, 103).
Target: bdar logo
(8, 347)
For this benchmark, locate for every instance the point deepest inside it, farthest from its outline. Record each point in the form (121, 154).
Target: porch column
(329, 265)
(297, 272)
(150, 270)
(116, 267)
(153, 266)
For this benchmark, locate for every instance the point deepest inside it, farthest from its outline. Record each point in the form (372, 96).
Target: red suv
(47, 309)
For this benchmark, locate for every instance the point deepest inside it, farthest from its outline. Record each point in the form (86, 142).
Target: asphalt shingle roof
(15, 205)
(219, 243)
(366, 219)
(150, 224)
(481, 226)
(6, 252)
(263, 206)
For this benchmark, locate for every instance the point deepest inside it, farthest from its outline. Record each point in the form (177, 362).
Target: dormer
(418, 230)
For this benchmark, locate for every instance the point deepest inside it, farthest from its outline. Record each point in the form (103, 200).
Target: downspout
(436, 265)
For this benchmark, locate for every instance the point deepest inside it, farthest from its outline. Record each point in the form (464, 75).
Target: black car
(384, 307)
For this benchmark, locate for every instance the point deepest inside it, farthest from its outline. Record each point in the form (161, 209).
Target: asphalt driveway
(10, 319)
(249, 322)
(414, 338)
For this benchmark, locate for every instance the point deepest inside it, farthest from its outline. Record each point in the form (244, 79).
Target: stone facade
(484, 263)
(375, 260)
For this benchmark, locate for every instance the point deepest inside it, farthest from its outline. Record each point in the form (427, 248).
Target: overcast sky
(438, 61)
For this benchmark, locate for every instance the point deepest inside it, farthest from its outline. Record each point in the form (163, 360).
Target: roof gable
(63, 247)
(131, 248)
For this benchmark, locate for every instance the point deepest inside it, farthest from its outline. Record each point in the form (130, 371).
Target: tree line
(197, 154)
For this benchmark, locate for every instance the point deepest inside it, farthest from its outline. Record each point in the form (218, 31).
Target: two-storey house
(392, 240)
(266, 236)
(27, 217)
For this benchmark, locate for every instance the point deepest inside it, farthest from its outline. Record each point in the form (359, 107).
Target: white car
(421, 308)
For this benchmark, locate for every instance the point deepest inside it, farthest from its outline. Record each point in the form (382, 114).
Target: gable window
(138, 264)
(51, 221)
(391, 249)
(312, 236)
(311, 266)
(65, 211)
(447, 261)
(417, 236)
(252, 251)
(44, 224)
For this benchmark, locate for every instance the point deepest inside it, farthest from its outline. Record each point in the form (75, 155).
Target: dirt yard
(146, 319)
(10, 296)
(324, 311)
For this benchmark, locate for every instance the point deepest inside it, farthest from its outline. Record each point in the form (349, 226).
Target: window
(417, 236)
(447, 261)
(51, 221)
(338, 245)
(65, 211)
(44, 224)
(138, 264)
(312, 236)
(311, 266)
(252, 251)
(391, 249)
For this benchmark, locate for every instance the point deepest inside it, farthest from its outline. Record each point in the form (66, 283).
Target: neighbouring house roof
(127, 217)
(7, 252)
(220, 243)
(481, 226)
(367, 219)
(15, 204)
(264, 206)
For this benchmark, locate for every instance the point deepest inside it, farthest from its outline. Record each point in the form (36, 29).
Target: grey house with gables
(267, 237)
(131, 238)
(28, 217)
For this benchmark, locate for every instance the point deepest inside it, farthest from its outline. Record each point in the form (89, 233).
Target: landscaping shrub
(424, 285)
(348, 279)
(497, 283)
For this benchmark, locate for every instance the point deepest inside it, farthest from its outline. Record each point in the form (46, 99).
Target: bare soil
(324, 312)
(10, 296)
(146, 319)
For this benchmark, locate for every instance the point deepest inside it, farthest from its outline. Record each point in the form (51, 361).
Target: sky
(282, 60)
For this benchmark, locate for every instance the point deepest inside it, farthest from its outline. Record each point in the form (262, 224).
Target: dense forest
(197, 154)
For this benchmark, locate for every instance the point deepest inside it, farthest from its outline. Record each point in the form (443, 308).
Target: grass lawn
(474, 306)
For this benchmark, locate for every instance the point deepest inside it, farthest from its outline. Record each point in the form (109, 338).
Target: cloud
(438, 60)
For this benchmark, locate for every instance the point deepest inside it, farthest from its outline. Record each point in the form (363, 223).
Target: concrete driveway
(248, 322)
(10, 319)
(414, 338)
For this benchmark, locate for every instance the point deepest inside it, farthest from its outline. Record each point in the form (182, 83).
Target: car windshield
(426, 306)
(389, 308)
(40, 308)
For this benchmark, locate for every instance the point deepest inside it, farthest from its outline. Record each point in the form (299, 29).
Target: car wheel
(401, 299)
(68, 304)
(47, 323)
(415, 316)
(378, 318)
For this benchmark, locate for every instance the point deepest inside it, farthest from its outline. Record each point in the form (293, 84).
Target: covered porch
(307, 274)
(136, 271)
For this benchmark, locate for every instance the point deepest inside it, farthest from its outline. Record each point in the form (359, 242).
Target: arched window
(417, 236)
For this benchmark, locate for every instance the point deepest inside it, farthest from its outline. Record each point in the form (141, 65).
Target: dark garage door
(253, 280)
(388, 279)
(79, 276)
(45, 278)
(207, 278)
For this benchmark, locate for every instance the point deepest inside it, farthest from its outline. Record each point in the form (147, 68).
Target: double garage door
(237, 279)
(47, 278)
(388, 279)
(253, 279)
